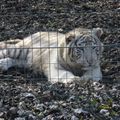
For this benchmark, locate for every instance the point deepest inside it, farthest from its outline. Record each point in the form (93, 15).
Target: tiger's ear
(69, 38)
(97, 32)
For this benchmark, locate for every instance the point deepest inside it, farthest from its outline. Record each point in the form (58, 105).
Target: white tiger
(61, 57)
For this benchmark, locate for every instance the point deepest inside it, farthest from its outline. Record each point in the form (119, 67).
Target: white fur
(55, 62)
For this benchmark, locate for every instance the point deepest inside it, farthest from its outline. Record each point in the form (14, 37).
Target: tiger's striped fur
(61, 57)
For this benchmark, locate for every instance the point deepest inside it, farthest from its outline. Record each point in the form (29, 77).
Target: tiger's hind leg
(6, 63)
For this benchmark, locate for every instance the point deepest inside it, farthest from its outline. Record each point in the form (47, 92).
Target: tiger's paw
(94, 77)
(65, 80)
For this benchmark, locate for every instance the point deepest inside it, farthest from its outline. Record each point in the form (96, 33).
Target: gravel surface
(25, 99)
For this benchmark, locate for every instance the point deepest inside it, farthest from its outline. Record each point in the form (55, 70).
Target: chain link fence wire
(22, 18)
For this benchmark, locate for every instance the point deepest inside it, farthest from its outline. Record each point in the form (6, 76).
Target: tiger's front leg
(94, 74)
(62, 76)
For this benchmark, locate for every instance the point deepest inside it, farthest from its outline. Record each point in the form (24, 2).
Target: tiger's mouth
(88, 67)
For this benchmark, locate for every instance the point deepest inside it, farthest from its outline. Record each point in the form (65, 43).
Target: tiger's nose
(90, 62)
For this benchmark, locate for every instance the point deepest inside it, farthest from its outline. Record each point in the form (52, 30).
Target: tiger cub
(61, 57)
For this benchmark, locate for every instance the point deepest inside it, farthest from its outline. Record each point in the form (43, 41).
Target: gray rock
(24, 112)
(28, 95)
(71, 98)
(1, 103)
(22, 105)
(53, 107)
(49, 117)
(1, 114)
(20, 118)
(104, 112)
(79, 111)
(31, 117)
(40, 107)
(13, 110)
(74, 118)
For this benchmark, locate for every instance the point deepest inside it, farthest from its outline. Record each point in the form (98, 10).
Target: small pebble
(104, 112)
(74, 118)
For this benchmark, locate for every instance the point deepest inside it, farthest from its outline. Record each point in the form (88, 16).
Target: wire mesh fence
(21, 18)
(40, 48)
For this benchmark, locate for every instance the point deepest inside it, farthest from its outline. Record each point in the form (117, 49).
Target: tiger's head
(84, 47)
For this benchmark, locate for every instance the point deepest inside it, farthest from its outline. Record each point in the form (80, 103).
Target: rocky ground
(25, 99)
